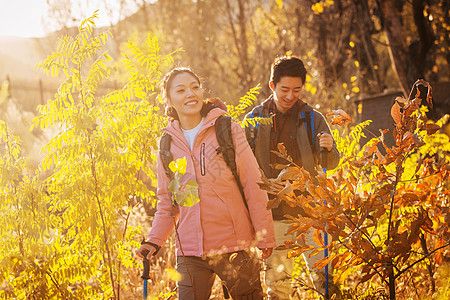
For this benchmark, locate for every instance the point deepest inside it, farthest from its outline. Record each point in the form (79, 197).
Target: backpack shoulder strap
(225, 139)
(253, 129)
(164, 152)
(307, 117)
(226, 147)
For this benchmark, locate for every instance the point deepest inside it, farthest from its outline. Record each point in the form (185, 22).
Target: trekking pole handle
(146, 263)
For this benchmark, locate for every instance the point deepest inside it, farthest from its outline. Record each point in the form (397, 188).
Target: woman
(214, 236)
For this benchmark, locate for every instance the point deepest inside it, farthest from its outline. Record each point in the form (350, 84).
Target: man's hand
(325, 140)
(266, 252)
(150, 249)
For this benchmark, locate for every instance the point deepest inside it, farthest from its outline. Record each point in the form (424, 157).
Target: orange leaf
(298, 251)
(273, 203)
(282, 149)
(292, 253)
(367, 277)
(438, 254)
(432, 128)
(396, 112)
(286, 191)
(291, 173)
(317, 238)
(410, 197)
(368, 150)
(315, 252)
(286, 245)
(339, 117)
(279, 166)
(323, 262)
(359, 163)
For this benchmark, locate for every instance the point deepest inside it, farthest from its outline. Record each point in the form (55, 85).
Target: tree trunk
(398, 49)
(392, 286)
(240, 41)
(426, 39)
(244, 43)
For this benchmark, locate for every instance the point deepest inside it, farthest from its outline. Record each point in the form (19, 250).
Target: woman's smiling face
(185, 94)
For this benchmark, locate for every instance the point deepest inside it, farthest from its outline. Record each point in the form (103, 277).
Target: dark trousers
(239, 270)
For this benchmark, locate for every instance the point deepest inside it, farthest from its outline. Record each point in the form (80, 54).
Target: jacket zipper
(202, 160)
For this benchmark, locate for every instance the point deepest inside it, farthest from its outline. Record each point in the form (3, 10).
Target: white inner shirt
(191, 134)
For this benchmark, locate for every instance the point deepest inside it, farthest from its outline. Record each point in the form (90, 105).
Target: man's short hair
(291, 66)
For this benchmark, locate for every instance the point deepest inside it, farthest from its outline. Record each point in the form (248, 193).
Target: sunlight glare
(22, 18)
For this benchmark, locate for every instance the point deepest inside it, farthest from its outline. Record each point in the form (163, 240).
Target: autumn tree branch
(420, 260)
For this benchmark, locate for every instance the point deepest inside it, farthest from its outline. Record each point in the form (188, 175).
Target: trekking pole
(146, 272)
(323, 154)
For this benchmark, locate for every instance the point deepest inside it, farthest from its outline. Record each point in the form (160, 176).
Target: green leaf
(174, 185)
(189, 196)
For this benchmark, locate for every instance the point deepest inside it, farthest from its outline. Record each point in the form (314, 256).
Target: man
(304, 133)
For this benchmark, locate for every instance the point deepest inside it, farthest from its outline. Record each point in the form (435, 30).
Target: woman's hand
(147, 247)
(266, 252)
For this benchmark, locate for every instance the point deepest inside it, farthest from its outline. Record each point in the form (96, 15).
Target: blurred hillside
(18, 56)
(23, 88)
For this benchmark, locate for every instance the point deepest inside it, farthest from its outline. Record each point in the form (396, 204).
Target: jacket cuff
(263, 244)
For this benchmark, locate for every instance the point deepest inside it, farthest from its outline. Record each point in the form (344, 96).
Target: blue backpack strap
(253, 131)
(308, 119)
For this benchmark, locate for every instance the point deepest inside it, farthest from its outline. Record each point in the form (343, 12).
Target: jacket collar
(269, 105)
(174, 128)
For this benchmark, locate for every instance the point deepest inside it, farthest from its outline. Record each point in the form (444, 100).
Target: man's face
(287, 92)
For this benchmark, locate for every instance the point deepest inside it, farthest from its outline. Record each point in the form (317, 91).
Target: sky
(23, 18)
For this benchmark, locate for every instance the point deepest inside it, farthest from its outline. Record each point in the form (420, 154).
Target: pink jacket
(220, 222)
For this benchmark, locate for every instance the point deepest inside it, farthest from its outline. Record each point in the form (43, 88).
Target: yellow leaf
(178, 165)
(280, 3)
(308, 86)
(173, 275)
(317, 8)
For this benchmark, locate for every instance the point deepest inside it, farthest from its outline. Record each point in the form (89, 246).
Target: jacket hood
(219, 103)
